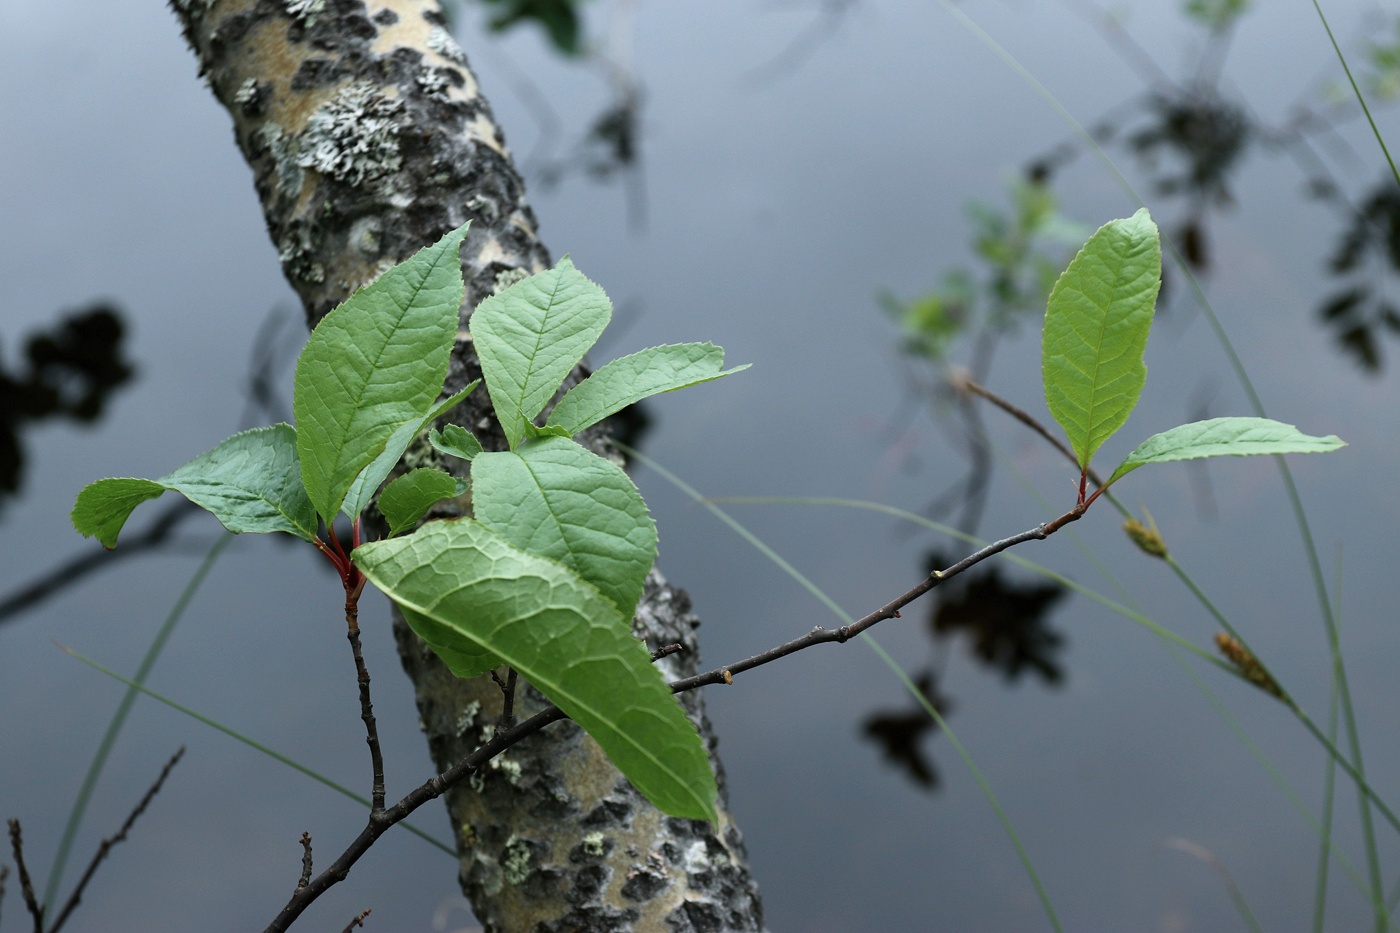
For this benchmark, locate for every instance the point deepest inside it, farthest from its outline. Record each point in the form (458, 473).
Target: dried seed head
(1146, 537)
(1248, 665)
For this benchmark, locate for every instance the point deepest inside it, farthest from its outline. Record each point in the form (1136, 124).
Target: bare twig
(26, 888)
(305, 861)
(381, 820)
(376, 756)
(4, 873)
(359, 921)
(155, 536)
(112, 841)
(966, 384)
(665, 651)
(508, 699)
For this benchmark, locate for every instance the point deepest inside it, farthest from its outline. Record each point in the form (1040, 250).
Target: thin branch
(26, 888)
(4, 873)
(968, 385)
(305, 861)
(155, 536)
(381, 820)
(665, 651)
(376, 756)
(359, 920)
(112, 841)
(508, 699)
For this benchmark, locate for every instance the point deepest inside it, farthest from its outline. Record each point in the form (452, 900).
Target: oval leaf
(1225, 437)
(374, 364)
(562, 636)
(554, 498)
(635, 377)
(408, 498)
(250, 482)
(1096, 326)
(530, 336)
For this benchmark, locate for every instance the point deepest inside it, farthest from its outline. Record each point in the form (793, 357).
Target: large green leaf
(634, 377)
(562, 636)
(250, 482)
(1096, 328)
(408, 498)
(554, 498)
(374, 364)
(362, 490)
(1225, 437)
(531, 335)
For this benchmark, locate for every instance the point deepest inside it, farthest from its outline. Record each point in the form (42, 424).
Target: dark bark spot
(591, 920)
(588, 883)
(611, 812)
(696, 917)
(318, 72)
(385, 17)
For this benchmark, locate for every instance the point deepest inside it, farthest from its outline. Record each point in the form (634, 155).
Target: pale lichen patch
(305, 10)
(249, 97)
(516, 861)
(284, 152)
(353, 137)
(441, 42)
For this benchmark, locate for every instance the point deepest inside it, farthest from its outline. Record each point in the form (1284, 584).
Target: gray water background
(775, 214)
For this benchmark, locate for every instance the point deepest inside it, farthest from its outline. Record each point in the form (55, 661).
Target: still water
(796, 162)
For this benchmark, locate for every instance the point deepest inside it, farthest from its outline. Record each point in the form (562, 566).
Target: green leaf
(463, 657)
(562, 636)
(531, 335)
(362, 490)
(633, 378)
(104, 506)
(408, 498)
(1096, 328)
(374, 364)
(250, 482)
(1224, 437)
(455, 441)
(554, 498)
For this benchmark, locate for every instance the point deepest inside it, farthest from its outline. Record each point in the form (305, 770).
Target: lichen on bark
(369, 138)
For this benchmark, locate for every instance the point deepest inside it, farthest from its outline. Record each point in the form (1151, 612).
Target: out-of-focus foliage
(1021, 253)
(1369, 249)
(69, 371)
(1216, 15)
(559, 19)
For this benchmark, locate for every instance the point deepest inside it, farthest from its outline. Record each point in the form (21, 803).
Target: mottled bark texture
(369, 139)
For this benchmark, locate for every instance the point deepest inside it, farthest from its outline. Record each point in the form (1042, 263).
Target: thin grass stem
(119, 717)
(880, 652)
(257, 746)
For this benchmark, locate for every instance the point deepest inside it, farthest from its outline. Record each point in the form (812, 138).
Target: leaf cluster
(546, 575)
(1096, 327)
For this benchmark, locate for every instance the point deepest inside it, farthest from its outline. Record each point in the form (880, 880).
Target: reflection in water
(900, 733)
(1008, 631)
(1369, 250)
(1005, 622)
(69, 371)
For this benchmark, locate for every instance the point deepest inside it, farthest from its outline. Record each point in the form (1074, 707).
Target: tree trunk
(369, 139)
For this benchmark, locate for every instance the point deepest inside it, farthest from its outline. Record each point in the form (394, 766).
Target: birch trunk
(368, 139)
